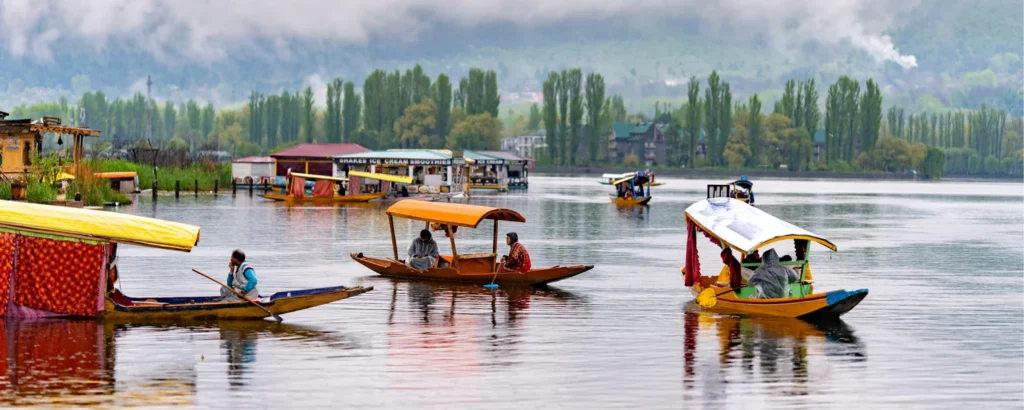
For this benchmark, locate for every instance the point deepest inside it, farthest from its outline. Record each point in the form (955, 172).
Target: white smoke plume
(208, 30)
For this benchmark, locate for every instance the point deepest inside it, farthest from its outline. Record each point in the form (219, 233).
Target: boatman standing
(241, 278)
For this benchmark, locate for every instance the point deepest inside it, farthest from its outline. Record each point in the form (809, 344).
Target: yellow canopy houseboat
(631, 188)
(67, 260)
(323, 190)
(476, 268)
(734, 225)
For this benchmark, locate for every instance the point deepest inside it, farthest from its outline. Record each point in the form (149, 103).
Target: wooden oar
(241, 295)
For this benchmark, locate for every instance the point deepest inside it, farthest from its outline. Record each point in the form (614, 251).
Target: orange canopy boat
(476, 268)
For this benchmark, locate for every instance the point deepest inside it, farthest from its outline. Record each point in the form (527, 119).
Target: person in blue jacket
(241, 278)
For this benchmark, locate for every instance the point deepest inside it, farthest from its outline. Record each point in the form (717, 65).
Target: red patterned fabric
(7, 245)
(58, 276)
(298, 187)
(355, 185)
(692, 260)
(323, 189)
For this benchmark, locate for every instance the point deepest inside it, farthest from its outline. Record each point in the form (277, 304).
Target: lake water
(942, 326)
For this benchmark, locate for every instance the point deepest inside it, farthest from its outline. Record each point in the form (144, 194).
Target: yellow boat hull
(814, 306)
(630, 202)
(337, 199)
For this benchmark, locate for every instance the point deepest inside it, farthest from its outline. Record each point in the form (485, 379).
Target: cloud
(210, 30)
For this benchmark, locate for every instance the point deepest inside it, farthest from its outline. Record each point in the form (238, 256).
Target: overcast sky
(214, 29)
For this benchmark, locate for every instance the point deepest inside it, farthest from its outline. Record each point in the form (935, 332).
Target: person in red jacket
(518, 259)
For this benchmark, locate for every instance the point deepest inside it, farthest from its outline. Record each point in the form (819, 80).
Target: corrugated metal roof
(478, 156)
(254, 160)
(505, 155)
(423, 154)
(320, 150)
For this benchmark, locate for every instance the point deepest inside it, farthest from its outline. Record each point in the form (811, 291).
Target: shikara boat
(65, 256)
(733, 224)
(324, 191)
(476, 268)
(631, 188)
(741, 189)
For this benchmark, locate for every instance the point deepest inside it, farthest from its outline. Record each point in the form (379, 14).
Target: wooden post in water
(197, 188)
(234, 187)
(177, 187)
(154, 190)
(250, 188)
(216, 184)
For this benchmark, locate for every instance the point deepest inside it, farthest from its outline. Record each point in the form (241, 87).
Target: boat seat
(795, 291)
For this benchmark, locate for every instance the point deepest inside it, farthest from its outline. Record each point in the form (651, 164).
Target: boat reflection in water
(53, 362)
(460, 329)
(722, 351)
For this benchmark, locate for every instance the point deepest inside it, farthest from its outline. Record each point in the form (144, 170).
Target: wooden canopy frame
(449, 215)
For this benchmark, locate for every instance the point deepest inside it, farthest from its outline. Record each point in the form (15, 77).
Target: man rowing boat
(241, 278)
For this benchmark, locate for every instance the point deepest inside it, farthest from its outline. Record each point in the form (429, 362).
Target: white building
(525, 146)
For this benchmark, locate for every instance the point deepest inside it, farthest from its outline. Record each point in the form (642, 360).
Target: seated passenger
(112, 290)
(423, 252)
(628, 194)
(771, 280)
(517, 260)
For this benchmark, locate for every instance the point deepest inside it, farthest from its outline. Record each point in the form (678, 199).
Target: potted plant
(18, 188)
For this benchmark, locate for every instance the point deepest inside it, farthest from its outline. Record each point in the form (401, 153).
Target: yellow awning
(98, 225)
(616, 182)
(453, 214)
(313, 176)
(382, 177)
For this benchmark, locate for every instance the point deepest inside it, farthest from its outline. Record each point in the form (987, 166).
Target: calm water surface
(942, 326)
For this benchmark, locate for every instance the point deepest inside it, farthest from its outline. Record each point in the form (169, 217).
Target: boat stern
(838, 302)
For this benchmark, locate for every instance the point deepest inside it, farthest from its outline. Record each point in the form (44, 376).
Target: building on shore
(317, 159)
(255, 169)
(644, 140)
(425, 171)
(21, 141)
(526, 146)
(498, 170)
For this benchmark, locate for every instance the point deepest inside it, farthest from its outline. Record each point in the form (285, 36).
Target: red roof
(254, 160)
(320, 150)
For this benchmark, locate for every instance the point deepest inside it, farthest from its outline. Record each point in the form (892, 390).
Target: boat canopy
(314, 176)
(382, 177)
(744, 227)
(452, 214)
(98, 225)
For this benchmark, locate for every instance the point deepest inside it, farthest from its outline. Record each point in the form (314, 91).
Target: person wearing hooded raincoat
(771, 280)
(423, 252)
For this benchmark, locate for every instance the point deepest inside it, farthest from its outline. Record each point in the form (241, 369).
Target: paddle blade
(707, 298)
(491, 286)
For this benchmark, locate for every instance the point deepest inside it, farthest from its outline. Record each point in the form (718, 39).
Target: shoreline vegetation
(42, 187)
(845, 122)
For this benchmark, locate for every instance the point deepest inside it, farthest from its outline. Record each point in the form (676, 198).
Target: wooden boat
(210, 307)
(477, 268)
(741, 189)
(630, 187)
(65, 257)
(738, 226)
(325, 191)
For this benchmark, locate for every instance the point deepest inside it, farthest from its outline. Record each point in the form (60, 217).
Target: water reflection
(457, 329)
(68, 362)
(772, 350)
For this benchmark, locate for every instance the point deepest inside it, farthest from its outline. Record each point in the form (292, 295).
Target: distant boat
(631, 188)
